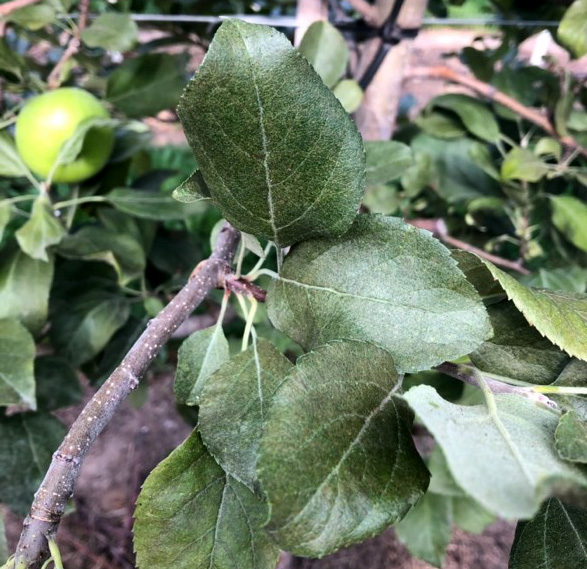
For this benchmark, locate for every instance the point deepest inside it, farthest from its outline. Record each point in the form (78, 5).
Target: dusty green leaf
(191, 514)
(42, 230)
(83, 327)
(192, 189)
(558, 315)
(501, 453)
(387, 160)
(569, 216)
(17, 353)
(147, 84)
(522, 164)
(234, 405)
(477, 274)
(152, 205)
(518, 350)
(198, 358)
(574, 375)
(326, 49)
(571, 438)
(386, 282)
(112, 32)
(572, 30)
(281, 157)
(474, 114)
(426, 529)
(27, 442)
(11, 164)
(470, 516)
(555, 539)
(57, 383)
(349, 93)
(24, 290)
(337, 460)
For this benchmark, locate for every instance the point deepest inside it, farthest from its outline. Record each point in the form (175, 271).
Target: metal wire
(291, 21)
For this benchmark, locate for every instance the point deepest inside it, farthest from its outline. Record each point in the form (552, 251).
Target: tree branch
(490, 92)
(73, 46)
(438, 228)
(57, 487)
(10, 7)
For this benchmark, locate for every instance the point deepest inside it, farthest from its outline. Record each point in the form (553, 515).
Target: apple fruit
(48, 120)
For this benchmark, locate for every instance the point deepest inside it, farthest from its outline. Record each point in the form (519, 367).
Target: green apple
(48, 120)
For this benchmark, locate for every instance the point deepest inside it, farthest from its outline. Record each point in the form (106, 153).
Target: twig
(490, 92)
(72, 47)
(368, 11)
(51, 497)
(10, 7)
(438, 228)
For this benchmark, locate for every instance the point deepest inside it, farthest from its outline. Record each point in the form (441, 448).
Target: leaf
(71, 148)
(326, 49)
(470, 516)
(574, 375)
(440, 125)
(387, 160)
(572, 30)
(571, 278)
(475, 115)
(385, 282)
(42, 230)
(198, 358)
(112, 32)
(17, 353)
(560, 316)
(27, 442)
(569, 216)
(4, 217)
(147, 84)
(571, 438)
(33, 17)
(477, 274)
(13, 66)
(555, 539)
(349, 93)
(82, 329)
(11, 164)
(337, 460)
(281, 157)
(24, 290)
(234, 405)
(191, 514)
(4, 554)
(193, 189)
(152, 205)
(522, 164)
(251, 243)
(57, 383)
(547, 146)
(501, 453)
(518, 350)
(426, 529)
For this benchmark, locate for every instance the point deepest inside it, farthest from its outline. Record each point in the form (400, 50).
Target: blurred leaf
(556, 538)
(572, 30)
(337, 461)
(232, 412)
(252, 244)
(382, 199)
(440, 124)
(286, 192)
(17, 381)
(548, 146)
(571, 438)
(488, 451)
(4, 217)
(348, 295)
(11, 63)
(152, 205)
(11, 164)
(42, 230)
(426, 529)
(475, 115)
(569, 216)
(522, 164)
(572, 278)
(24, 289)
(190, 511)
(193, 189)
(131, 138)
(387, 160)
(198, 358)
(349, 94)
(83, 327)
(326, 49)
(27, 443)
(112, 32)
(417, 176)
(147, 84)
(57, 383)
(4, 554)
(33, 17)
